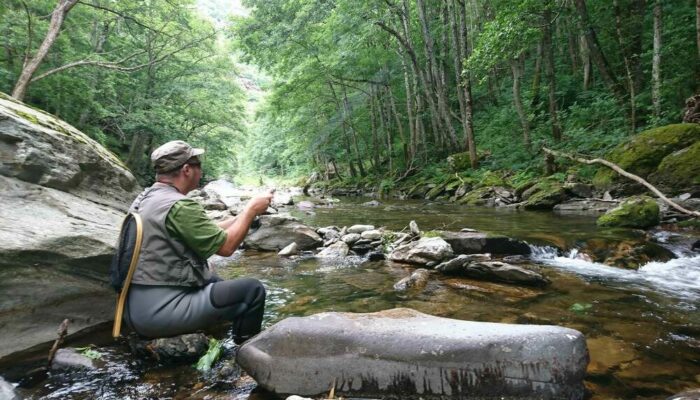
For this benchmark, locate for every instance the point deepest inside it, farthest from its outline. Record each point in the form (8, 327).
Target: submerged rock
(409, 355)
(72, 359)
(635, 212)
(278, 231)
(479, 242)
(418, 279)
(456, 264)
(423, 251)
(500, 272)
(587, 206)
(183, 348)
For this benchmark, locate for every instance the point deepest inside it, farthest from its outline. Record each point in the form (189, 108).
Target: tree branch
(119, 13)
(624, 173)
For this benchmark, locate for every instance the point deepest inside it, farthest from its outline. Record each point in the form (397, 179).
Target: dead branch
(626, 174)
(62, 332)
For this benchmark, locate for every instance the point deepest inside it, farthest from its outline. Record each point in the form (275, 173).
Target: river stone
(418, 279)
(585, 206)
(457, 263)
(372, 234)
(413, 227)
(422, 252)
(72, 359)
(182, 348)
(290, 250)
(278, 231)
(336, 250)
(7, 390)
(350, 238)
(402, 353)
(479, 242)
(635, 212)
(501, 272)
(693, 394)
(360, 228)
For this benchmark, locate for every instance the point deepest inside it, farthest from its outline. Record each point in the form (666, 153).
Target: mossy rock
(679, 171)
(635, 212)
(544, 195)
(459, 161)
(436, 191)
(491, 178)
(643, 153)
(477, 197)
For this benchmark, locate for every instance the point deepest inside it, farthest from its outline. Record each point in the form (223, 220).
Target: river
(642, 325)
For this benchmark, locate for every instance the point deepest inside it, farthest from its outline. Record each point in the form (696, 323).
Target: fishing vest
(164, 260)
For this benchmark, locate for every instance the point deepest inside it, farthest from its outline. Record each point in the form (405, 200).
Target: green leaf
(206, 361)
(580, 307)
(89, 352)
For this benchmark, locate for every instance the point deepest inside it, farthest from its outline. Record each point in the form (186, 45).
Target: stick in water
(62, 332)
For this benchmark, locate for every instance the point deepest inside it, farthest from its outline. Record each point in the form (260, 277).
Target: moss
(642, 154)
(459, 162)
(436, 191)
(491, 178)
(430, 234)
(679, 170)
(29, 117)
(635, 212)
(690, 223)
(545, 194)
(476, 197)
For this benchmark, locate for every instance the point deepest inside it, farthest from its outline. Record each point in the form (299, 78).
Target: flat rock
(404, 354)
(457, 263)
(336, 250)
(278, 231)
(373, 234)
(290, 250)
(479, 242)
(360, 228)
(183, 348)
(500, 272)
(350, 238)
(585, 206)
(423, 251)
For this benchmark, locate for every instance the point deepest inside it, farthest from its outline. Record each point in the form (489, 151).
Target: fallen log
(626, 174)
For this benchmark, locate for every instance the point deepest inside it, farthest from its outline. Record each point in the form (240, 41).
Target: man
(172, 290)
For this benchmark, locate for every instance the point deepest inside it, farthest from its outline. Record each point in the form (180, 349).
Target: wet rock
(278, 231)
(608, 353)
(479, 242)
(362, 248)
(457, 263)
(282, 199)
(7, 390)
(587, 206)
(295, 397)
(544, 195)
(693, 394)
(695, 246)
(631, 254)
(363, 242)
(417, 280)
(290, 250)
(635, 212)
(373, 203)
(372, 234)
(72, 359)
(422, 251)
(329, 242)
(501, 272)
(183, 348)
(329, 232)
(401, 238)
(403, 353)
(490, 291)
(516, 259)
(413, 227)
(376, 256)
(360, 228)
(306, 205)
(351, 238)
(336, 250)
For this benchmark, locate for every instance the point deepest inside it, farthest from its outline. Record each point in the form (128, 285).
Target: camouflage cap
(172, 155)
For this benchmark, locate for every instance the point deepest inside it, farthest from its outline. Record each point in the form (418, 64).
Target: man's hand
(261, 202)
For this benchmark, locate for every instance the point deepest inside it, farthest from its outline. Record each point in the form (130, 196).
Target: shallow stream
(642, 325)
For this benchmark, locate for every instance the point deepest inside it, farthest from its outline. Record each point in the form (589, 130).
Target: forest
(369, 92)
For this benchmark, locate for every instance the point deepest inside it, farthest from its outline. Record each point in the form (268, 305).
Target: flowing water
(642, 325)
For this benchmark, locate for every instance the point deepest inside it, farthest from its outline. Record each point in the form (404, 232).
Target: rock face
(278, 231)
(423, 251)
(479, 242)
(635, 212)
(410, 355)
(64, 197)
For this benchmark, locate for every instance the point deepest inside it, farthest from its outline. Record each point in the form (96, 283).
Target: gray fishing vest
(164, 260)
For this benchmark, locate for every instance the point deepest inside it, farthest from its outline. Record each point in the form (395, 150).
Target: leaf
(580, 307)
(89, 352)
(206, 361)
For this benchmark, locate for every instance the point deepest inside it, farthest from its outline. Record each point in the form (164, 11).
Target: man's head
(178, 163)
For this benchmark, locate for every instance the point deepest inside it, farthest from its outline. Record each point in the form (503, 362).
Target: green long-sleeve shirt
(187, 222)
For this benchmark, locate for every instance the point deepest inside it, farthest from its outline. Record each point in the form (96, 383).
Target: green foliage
(205, 362)
(580, 308)
(89, 352)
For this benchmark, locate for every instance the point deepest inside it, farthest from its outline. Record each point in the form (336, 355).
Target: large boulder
(278, 231)
(405, 354)
(544, 195)
(679, 172)
(64, 197)
(643, 154)
(635, 212)
(424, 251)
(479, 243)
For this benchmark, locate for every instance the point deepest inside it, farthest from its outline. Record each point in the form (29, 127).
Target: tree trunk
(468, 118)
(515, 66)
(628, 68)
(399, 125)
(373, 126)
(30, 67)
(412, 123)
(697, 38)
(596, 52)
(656, 61)
(537, 78)
(346, 115)
(549, 71)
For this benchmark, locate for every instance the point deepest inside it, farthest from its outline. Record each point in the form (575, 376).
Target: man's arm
(226, 223)
(238, 227)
